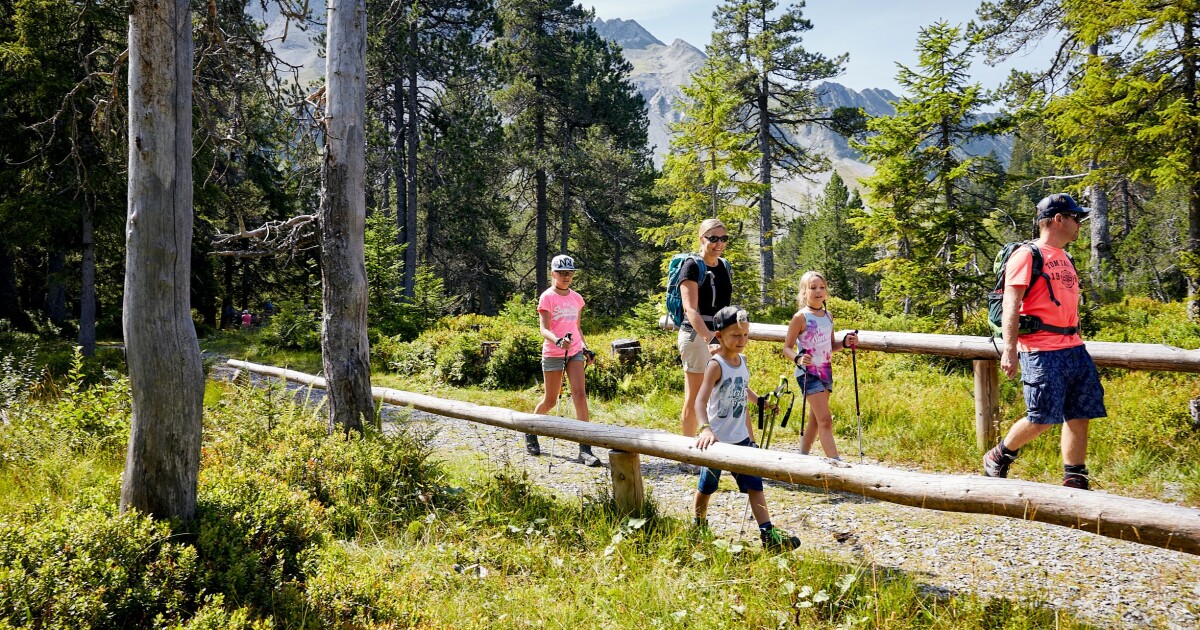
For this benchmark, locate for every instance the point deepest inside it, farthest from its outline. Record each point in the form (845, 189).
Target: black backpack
(1026, 323)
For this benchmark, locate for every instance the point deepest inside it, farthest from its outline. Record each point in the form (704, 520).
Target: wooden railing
(984, 352)
(1138, 520)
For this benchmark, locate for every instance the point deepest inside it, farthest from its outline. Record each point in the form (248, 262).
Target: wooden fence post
(987, 403)
(627, 481)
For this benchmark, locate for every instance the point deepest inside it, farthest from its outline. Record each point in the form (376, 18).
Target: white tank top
(727, 403)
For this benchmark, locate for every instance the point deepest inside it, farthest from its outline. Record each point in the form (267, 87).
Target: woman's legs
(691, 389)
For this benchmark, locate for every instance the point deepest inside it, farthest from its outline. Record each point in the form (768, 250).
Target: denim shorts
(814, 385)
(558, 364)
(709, 477)
(1061, 385)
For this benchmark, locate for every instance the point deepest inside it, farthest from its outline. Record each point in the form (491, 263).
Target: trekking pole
(803, 396)
(561, 387)
(777, 394)
(764, 401)
(786, 387)
(857, 407)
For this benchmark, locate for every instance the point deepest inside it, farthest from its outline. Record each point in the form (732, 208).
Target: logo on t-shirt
(1063, 272)
(564, 313)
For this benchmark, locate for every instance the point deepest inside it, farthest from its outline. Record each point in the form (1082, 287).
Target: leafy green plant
(93, 568)
(293, 326)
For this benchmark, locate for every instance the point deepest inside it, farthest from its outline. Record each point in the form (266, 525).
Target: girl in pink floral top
(812, 327)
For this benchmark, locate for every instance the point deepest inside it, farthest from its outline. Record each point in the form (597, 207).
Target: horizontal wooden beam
(1133, 356)
(1137, 520)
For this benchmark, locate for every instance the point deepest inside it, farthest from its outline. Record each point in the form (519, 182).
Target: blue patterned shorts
(709, 477)
(1061, 385)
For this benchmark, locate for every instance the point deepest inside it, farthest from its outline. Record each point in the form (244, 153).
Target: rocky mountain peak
(628, 33)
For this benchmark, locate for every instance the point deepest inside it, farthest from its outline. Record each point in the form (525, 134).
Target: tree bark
(1101, 238)
(345, 351)
(165, 374)
(87, 283)
(766, 204)
(399, 165)
(539, 176)
(1189, 71)
(414, 144)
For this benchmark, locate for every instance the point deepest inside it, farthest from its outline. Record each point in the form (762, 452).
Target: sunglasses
(1076, 217)
(724, 238)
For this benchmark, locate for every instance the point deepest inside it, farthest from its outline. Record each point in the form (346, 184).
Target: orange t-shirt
(1061, 272)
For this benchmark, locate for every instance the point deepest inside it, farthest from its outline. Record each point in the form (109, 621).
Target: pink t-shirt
(1061, 271)
(564, 318)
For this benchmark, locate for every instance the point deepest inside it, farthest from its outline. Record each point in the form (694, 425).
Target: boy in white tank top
(721, 409)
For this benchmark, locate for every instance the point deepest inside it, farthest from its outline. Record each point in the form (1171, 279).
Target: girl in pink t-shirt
(563, 350)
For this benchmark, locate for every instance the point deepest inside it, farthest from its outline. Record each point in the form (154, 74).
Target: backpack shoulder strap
(1037, 271)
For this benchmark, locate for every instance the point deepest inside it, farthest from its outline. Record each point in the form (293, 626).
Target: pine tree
(926, 211)
(774, 77)
(826, 241)
(1138, 106)
(536, 51)
(708, 172)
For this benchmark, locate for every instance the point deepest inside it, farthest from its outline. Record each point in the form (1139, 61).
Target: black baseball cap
(729, 316)
(1060, 203)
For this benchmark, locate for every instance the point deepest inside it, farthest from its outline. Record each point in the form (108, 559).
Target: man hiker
(1041, 330)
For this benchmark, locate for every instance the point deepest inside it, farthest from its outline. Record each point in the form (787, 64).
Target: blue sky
(876, 33)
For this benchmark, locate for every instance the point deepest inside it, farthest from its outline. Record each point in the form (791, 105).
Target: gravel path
(1099, 579)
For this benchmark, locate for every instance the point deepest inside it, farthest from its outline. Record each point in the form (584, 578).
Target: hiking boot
(531, 445)
(586, 457)
(1079, 481)
(996, 463)
(776, 539)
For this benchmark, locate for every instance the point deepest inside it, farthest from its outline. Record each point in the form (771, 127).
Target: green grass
(488, 550)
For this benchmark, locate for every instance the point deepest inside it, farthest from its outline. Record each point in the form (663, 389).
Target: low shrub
(252, 532)
(94, 568)
(293, 327)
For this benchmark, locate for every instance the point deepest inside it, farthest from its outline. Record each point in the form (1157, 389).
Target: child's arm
(544, 318)
(849, 340)
(712, 374)
(795, 328)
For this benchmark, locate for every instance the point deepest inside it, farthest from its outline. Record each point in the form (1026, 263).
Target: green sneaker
(776, 539)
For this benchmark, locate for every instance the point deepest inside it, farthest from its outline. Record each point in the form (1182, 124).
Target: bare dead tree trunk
(398, 165)
(412, 130)
(87, 283)
(163, 460)
(345, 351)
